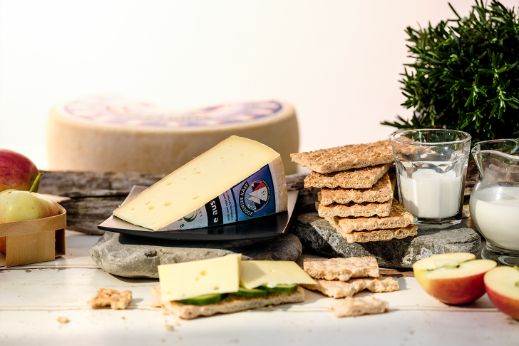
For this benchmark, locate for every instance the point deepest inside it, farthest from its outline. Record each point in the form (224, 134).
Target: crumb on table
(109, 297)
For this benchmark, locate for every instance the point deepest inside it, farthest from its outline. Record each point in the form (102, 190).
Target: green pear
(18, 205)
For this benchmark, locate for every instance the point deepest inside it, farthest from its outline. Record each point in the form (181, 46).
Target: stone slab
(319, 237)
(134, 257)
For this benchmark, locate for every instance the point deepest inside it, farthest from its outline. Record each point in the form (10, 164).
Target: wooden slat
(92, 196)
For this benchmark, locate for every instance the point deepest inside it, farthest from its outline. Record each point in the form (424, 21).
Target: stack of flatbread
(345, 277)
(356, 192)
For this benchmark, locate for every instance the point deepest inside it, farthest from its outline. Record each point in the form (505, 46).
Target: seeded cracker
(354, 210)
(349, 307)
(362, 178)
(381, 235)
(341, 268)
(382, 191)
(345, 157)
(341, 289)
(398, 218)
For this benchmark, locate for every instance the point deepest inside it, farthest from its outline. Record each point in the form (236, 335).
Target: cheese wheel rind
(104, 133)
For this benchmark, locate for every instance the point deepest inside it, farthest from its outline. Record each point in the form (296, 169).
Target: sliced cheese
(272, 273)
(236, 180)
(191, 279)
(114, 134)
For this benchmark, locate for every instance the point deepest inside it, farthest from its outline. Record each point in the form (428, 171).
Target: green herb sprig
(465, 74)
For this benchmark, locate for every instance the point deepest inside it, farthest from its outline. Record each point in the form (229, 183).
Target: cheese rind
(106, 133)
(180, 281)
(224, 169)
(272, 273)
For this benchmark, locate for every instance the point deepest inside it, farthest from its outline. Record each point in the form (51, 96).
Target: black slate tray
(258, 229)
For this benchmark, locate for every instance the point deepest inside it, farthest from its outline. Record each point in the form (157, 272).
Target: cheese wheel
(106, 133)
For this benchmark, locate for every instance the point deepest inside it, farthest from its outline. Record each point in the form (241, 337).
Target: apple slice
(453, 278)
(502, 285)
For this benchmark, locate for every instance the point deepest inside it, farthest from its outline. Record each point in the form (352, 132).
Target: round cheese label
(123, 112)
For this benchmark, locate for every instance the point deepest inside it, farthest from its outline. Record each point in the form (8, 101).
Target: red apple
(502, 285)
(453, 278)
(17, 172)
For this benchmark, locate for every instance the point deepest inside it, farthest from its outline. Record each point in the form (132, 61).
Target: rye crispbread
(362, 178)
(230, 304)
(345, 157)
(109, 297)
(354, 210)
(381, 235)
(358, 306)
(341, 268)
(341, 289)
(398, 218)
(381, 192)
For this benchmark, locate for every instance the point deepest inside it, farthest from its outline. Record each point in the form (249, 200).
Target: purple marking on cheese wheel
(118, 111)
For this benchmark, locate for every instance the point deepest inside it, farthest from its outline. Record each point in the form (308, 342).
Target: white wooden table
(34, 298)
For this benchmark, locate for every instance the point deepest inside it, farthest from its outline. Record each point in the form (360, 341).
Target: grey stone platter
(137, 257)
(319, 237)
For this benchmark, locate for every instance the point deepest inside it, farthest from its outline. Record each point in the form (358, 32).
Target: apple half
(453, 278)
(502, 285)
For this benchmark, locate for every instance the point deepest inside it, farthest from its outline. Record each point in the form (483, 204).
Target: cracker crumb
(109, 297)
(63, 319)
(350, 307)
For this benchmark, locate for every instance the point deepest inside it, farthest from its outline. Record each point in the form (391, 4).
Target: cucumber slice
(203, 299)
(253, 292)
(281, 288)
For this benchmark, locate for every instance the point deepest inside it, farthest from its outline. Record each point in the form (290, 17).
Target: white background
(338, 61)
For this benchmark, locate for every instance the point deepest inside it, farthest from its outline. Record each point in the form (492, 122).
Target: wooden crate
(33, 241)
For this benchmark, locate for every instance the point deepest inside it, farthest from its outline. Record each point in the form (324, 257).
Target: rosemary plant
(465, 73)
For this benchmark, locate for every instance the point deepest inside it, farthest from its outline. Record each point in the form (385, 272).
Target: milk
(495, 211)
(431, 194)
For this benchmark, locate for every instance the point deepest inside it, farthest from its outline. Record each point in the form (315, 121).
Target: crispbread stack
(344, 277)
(356, 192)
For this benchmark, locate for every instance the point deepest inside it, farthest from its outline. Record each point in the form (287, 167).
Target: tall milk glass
(431, 166)
(494, 202)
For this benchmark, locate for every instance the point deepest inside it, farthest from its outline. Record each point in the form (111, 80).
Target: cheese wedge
(191, 279)
(272, 273)
(236, 180)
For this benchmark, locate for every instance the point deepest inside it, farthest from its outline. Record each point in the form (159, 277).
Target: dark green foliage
(465, 74)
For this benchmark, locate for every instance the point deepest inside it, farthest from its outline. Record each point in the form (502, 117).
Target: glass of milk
(494, 202)
(431, 166)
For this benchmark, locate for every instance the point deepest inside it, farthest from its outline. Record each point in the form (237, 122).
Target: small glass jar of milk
(494, 202)
(431, 166)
